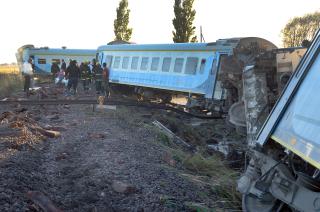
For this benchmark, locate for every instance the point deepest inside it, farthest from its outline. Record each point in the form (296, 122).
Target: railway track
(173, 108)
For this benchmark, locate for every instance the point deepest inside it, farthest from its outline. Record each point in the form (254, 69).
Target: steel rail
(108, 102)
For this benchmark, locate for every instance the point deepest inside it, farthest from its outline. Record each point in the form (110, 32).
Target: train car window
(134, 63)
(125, 62)
(178, 64)
(144, 63)
(191, 65)
(155, 63)
(202, 65)
(166, 64)
(57, 61)
(116, 63)
(42, 61)
(109, 60)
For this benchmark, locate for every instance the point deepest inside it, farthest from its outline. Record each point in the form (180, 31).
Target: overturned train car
(283, 173)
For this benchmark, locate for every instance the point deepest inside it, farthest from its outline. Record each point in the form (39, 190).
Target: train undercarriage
(278, 180)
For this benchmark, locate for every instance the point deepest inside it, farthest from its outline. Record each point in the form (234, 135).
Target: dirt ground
(106, 160)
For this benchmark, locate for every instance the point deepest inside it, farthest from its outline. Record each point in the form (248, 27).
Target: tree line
(299, 31)
(182, 22)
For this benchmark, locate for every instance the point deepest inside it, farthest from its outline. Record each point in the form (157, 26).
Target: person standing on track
(73, 75)
(84, 71)
(54, 70)
(97, 71)
(63, 65)
(27, 72)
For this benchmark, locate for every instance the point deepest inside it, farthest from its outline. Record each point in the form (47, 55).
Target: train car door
(218, 92)
(108, 60)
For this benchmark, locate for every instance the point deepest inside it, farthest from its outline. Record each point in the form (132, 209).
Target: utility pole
(201, 36)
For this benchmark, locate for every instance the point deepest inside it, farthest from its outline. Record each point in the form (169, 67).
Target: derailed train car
(208, 74)
(44, 57)
(283, 173)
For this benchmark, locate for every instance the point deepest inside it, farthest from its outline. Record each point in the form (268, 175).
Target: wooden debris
(106, 107)
(49, 133)
(20, 128)
(8, 132)
(42, 201)
(96, 135)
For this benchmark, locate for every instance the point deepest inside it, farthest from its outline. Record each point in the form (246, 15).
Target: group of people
(87, 72)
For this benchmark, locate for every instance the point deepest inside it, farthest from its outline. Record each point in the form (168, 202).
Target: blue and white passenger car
(44, 57)
(189, 68)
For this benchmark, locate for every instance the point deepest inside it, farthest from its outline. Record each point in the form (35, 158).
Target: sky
(87, 24)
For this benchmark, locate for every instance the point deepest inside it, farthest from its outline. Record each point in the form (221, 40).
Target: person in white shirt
(27, 72)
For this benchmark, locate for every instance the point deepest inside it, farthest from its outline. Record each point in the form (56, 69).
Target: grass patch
(208, 171)
(9, 69)
(10, 83)
(186, 132)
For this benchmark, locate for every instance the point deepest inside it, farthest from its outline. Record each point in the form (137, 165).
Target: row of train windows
(44, 61)
(190, 66)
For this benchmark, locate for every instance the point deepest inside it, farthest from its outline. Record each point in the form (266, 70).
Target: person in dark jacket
(54, 70)
(85, 75)
(73, 75)
(63, 65)
(91, 65)
(97, 71)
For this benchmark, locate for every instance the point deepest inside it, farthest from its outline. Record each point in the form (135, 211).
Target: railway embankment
(71, 158)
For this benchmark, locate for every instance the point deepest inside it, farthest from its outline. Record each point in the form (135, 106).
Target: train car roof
(221, 45)
(50, 51)
(156, 47)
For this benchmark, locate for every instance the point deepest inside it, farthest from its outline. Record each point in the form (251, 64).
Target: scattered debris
(167, 157)
(49, 133)
(96, 135)
(170, 134)
(107, 107)
(20, 128)
(122, 187)
(53, 117)
(8, 132)
(61, 156)
(42, 201)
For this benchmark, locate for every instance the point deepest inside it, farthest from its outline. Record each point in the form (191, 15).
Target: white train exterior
(44, 57)
(283, 173)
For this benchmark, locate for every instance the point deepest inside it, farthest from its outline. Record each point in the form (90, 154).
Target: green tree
(121, 30)
(300, 29)
(183, 22)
